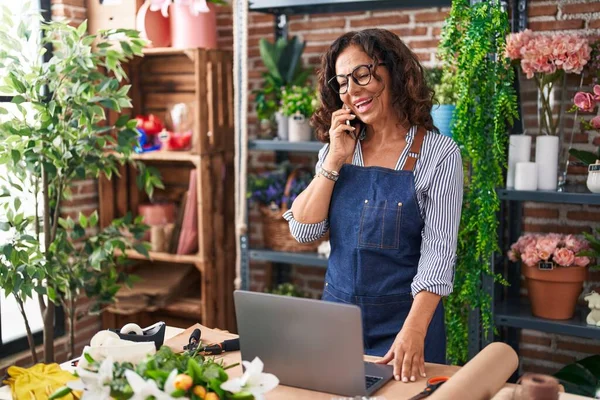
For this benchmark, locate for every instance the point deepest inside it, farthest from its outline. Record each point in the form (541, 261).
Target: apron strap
(415, 150)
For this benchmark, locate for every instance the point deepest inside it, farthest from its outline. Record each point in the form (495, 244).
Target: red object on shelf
(174, 141)
(150, 124)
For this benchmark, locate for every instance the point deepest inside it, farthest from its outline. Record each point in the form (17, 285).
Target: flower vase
(553, 291)
(190, 31)
(442, 118)
(593, 179)
(299, 128)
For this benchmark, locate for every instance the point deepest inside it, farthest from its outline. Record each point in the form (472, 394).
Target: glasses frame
(333, 83)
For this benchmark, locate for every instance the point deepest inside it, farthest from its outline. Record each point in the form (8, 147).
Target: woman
(389, 189)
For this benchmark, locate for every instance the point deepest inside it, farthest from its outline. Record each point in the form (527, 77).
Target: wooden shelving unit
(203, 79)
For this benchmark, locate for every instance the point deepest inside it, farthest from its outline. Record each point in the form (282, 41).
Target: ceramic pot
(299, 129)
(190, 31)
(554, 292)
(593, 179)
(282, 126)
(442, 118)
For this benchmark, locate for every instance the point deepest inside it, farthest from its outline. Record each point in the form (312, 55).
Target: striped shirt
(439, 191)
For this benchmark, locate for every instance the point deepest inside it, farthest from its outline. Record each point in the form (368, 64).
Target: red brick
(423, 44)
(80, 202)
(260, 30)
(549, 356)
(309, 26)
(266, 157)
(556, 25)
(579, 347)
(227, 22)
(74, 3)
(540, 213)
(224, 9)
(379, 21)
(547, 228)
(584, 216)
(537, 369)
(594, 24)
(321, 36)
(416, 31)
(537, 10)
(436, 31)
(580, 8)
(596, 141)
(257, 18)
(580, 138)
(318, 48)
(85, 187)
(431, 16)
(424, 56)
(537, 340)
(340, 15)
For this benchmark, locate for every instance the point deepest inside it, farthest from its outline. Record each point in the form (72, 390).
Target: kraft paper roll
(483, 376)
(526, 176)
(519, 150)
(546, 158)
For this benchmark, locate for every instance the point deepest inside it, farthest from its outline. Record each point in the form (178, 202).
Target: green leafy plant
(283, 60)
(298, 100)
(54, 133)
(582, 377)
(486, 102)
(594, 248)
(442, 81)
(287, 289)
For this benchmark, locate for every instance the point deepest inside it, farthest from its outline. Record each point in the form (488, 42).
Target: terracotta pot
(554, 293)
(191, 31)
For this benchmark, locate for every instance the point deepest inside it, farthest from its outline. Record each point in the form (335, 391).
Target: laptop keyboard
(371, 380)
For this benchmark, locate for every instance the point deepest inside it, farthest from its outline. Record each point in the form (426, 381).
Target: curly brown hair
(411, 96)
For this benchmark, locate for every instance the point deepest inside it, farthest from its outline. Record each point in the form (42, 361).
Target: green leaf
(82, 28)
(83, 221)
(15, 83)
(140, 248)
(4, 226)
(93, 219)
(51, 293)
(586, 157)
(18, 99)
(122, 121)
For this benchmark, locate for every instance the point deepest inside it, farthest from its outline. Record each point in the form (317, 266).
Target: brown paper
(483, 376)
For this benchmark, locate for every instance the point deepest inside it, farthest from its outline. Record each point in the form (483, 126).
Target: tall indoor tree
(473, 43)
(54, 133)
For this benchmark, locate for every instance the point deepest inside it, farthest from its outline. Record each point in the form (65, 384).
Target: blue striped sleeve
(306, 233)
(442, 209)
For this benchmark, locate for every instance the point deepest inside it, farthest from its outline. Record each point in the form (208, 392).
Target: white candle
(526, 176)
(546, 158)
(519, 150)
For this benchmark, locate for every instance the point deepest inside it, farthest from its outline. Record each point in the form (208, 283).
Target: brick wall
(85, 199)
(420, 28)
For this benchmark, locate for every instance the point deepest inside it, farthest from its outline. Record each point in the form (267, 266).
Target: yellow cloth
(37, 382)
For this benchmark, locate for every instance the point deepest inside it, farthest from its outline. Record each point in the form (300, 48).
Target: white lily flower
(143, 389)
(199, 6)
(170, 382)
(254, 381)
(94, 385)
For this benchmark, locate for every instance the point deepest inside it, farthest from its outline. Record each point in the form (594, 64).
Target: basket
(276, 231)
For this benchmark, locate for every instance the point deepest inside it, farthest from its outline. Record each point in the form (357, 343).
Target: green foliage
(56, 133)
(298, 100)
(581, 378)
(594, 249)
(287, 289)
(443, 83)
(486, 103)
(283, 60)
(586, 157)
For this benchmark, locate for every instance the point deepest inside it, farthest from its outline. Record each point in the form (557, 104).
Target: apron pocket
(380, 225)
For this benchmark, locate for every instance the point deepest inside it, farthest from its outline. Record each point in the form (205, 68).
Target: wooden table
(393, 390)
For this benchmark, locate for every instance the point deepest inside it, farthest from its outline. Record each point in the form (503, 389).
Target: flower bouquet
(554, 266)
(165, 376)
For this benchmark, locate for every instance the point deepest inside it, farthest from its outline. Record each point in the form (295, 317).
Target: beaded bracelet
(331, 175)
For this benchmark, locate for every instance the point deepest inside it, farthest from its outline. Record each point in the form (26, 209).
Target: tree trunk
(28, 330)
(71, 323)
(48, 312)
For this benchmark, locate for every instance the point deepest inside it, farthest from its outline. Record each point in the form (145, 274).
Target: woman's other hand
(408, 353)
(341, 139)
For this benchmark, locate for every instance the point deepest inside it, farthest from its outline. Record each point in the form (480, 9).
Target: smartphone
(356, 123)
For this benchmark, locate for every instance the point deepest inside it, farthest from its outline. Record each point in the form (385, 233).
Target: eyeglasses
(361, 75)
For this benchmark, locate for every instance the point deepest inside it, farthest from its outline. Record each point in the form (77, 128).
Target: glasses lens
(362, 75)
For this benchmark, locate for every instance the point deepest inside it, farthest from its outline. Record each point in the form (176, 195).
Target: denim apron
(375, 236)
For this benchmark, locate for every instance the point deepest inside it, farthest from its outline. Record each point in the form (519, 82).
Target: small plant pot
(442, 118)
(554, 292)
(593, 179)
(190, 31)
(299, 129)
(282, 126)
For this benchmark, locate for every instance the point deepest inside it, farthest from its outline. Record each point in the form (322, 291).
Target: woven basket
(276, 230)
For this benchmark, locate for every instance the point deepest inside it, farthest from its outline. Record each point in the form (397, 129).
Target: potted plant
(587, 102)
(554, 266)
(283, 60)
(193, 22)
(56, 133)
(298, 103)
(441, 80)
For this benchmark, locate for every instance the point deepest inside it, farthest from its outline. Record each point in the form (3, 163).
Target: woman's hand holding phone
(342, 139)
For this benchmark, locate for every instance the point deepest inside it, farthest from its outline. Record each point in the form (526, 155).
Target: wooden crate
(165, 76)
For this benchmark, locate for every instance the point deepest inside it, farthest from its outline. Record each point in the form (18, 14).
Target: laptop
(310, 344)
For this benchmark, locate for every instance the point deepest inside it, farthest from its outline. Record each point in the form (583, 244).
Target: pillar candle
(519, 150)
(526, 176)
(546, 158)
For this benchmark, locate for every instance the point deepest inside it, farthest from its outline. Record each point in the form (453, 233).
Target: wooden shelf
(166, 257)
(183, 156)
(164, 51)
(186, 307)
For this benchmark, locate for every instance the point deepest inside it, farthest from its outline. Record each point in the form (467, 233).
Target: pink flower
(530, 258)
(596, 92)
(596, 122)
(546, 245)
(524, 242)
(513, 253)
(581, 261)
(564, 257)
(516, 41)
(575, 244)
(584, 101)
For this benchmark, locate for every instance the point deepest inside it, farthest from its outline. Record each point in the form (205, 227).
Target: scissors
(432, 385)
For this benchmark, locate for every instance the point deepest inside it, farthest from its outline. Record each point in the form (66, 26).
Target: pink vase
(191, 31)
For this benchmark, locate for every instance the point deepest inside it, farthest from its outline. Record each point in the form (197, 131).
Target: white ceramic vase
(299, 129)
(593, 179)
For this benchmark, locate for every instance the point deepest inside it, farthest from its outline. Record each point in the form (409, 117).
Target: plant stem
(48, 310)
(27, 329)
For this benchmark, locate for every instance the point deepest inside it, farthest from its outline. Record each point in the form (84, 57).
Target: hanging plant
(471, 38)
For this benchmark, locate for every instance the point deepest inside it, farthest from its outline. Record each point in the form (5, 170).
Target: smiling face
(372, 102)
